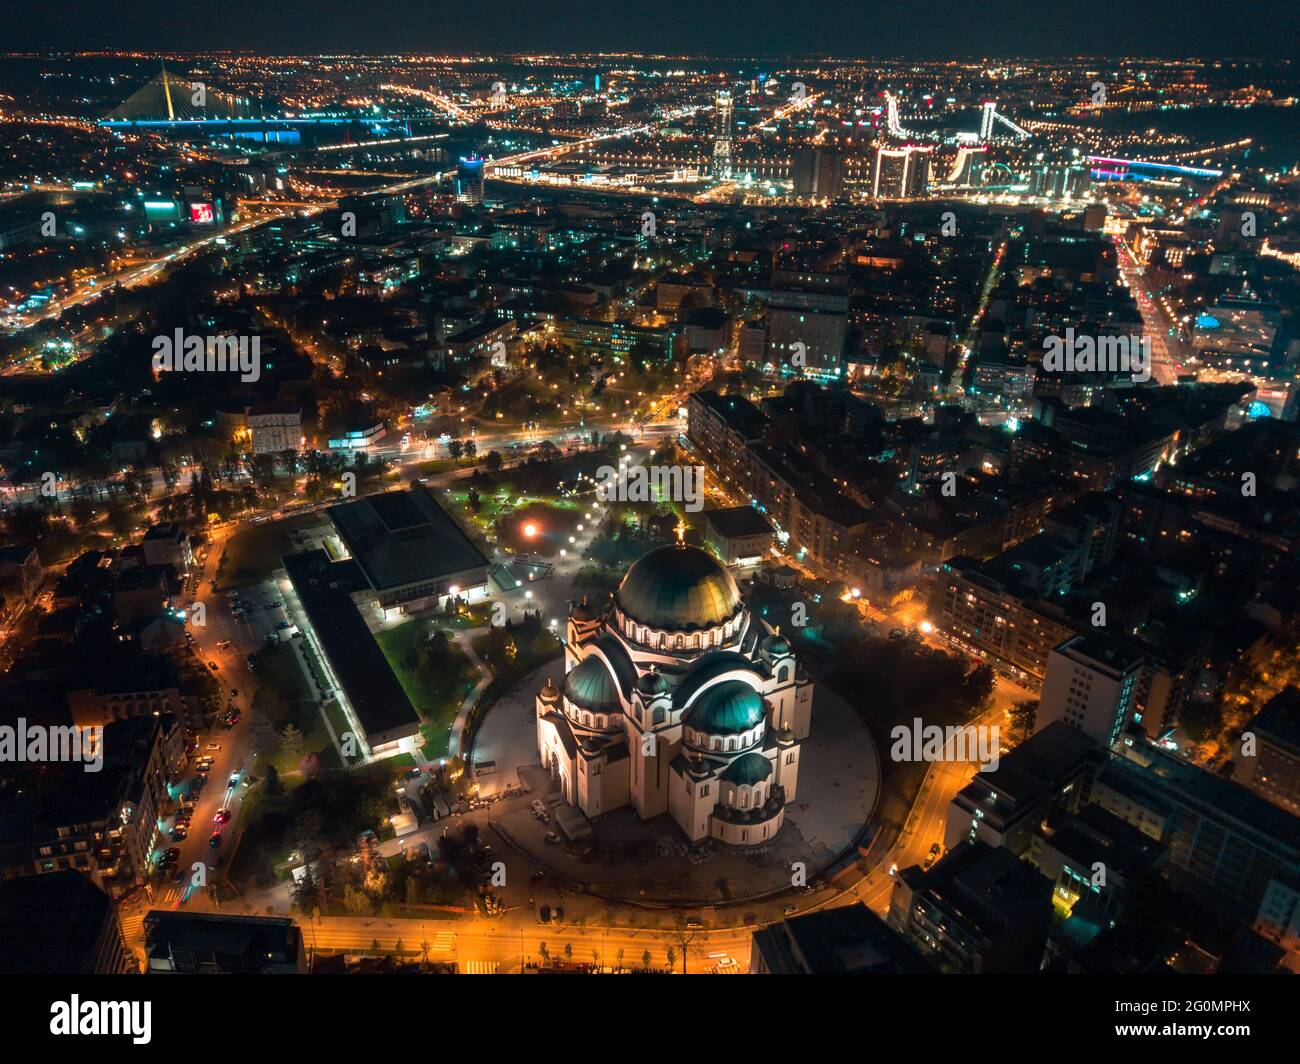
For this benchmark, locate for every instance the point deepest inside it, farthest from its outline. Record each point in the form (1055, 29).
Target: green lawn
(435, 682)
(283, 697)
(254, 553)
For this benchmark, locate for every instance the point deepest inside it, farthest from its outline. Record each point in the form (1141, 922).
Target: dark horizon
(945, 29)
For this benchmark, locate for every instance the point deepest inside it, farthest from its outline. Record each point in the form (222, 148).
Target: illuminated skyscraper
(469, 181)
(987, 113)
(722, 161)
(968, 165)
(902, 172)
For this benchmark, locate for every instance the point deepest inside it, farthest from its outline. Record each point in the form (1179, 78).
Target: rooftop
(324, 589)
(403, 537)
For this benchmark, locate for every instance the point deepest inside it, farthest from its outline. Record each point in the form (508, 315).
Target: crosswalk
(132, 921)
(481, 967)
(167, 896)
(443, 942)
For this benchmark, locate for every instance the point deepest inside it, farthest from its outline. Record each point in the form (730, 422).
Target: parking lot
(258, 613)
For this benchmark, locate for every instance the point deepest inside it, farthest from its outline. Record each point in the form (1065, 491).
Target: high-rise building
(988, 113)
(968, 165)
(902, 172)
(723, 129)
(1091, 684)
(469, 181)
(818, 174)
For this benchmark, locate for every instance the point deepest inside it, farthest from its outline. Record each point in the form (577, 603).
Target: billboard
(201, 213)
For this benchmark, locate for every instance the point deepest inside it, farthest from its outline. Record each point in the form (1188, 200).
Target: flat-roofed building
(851, 940)
(1091, 684)
(1225, 843)
(60, 924)
(1049, 773)
(998, 618)
(980, 910)
(21, 570)
(1271, 768)
(356, 672)
(191, 943)
(739, 535)
(275, 427)
(168, 544)
(409, 550)
(1092, 858)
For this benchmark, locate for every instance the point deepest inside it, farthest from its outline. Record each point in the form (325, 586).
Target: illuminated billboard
(201, 213)
(162, 211)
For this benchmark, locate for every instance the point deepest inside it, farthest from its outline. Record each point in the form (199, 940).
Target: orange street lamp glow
(530, 530)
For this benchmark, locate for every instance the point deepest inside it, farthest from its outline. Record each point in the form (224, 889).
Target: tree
(272, 781)
(1023, 715)
(291, 739)
(455, 448)
(684, 935)
(645, 960)
(494, 461)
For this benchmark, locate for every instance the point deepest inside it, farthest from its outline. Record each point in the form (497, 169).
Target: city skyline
(691, 490)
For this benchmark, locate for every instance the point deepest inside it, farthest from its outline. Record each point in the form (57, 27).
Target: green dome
(748, 768)
(729, 708)
(776, 645)
(678, 587)
(591, 686)
(653, 683)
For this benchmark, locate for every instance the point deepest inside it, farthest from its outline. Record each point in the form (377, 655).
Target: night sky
(936, 29)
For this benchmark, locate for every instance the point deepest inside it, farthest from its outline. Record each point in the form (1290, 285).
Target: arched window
(681, 641)
(731, 743)
(716, 744)
(586, 719)
(744, 798)
(659, 715)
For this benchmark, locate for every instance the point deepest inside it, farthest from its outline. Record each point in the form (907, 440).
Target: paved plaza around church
(651, 862)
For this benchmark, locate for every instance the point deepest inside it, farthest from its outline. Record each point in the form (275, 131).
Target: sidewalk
(465, 640)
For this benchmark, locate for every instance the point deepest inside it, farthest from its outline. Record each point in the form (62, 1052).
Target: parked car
(215, 841)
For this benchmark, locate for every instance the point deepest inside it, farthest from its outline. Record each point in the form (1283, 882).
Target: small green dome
(727, 709)
(749, 769)
(776, 645)
(653, 683)
(591, 686)
(678, 588)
